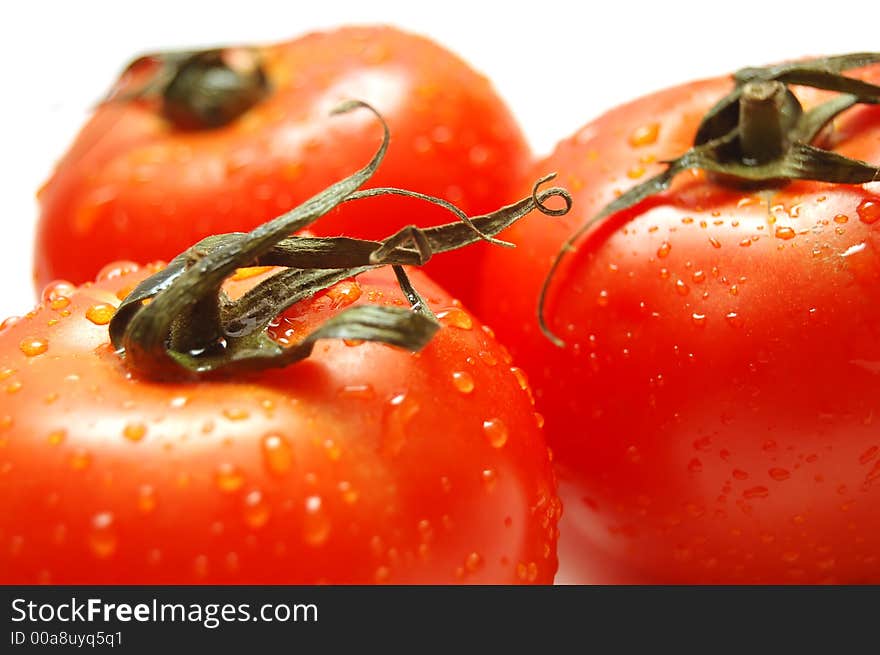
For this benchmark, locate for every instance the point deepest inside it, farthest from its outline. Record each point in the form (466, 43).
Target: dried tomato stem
(189, 327)
(763, 132)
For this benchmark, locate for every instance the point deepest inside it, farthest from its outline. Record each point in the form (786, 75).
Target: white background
(557, 64)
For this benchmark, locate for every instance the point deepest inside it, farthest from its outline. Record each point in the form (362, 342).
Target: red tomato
(134, 186)
(714, 413)
(362, 464)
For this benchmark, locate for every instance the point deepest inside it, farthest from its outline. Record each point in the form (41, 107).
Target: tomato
(714, 410)
(364, 463)
(141, 183)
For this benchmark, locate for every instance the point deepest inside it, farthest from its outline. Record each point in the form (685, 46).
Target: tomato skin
(714, 413)
(362, 464)
(132, 187)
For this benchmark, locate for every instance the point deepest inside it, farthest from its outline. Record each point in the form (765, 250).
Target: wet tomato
(149, 175)
(714, 410)
(363, 464)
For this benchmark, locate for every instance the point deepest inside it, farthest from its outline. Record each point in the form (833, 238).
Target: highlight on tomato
(274, 409)
(195, 143)
(711, 396)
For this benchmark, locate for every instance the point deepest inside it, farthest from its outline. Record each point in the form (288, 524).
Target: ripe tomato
(362, 464)
(139, 185)
(714, 412)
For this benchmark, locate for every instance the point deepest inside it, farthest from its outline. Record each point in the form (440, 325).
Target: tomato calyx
(202, 89)
(758, 135)
(178, 322)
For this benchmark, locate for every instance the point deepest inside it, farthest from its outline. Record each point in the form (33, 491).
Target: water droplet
(57, 290)
(681, 288)
(228, 478)
(32, 346)
(357, 391)
(756, 492)
(57, 436)
(695, 466)
(539, 420)
(101, 313)
(703, 444)
(698, 319)
(635, 172)
(102, 536)
(489, 478)
(740, 474)
(463, 381)
(80, 460)
(400, 413)
(779, 474)
(383, 573)
(602, 298)
(785, 232)
(487, 357)
(841, 218)
(146, 500)
(236, 414)
(698, 277)
(349, 494)
(134, 431)
(59, 303)
(456, 317)
(316, 524)
(344, 293)
(256, 511)
(868, 211)
(733, 319)
(116, 269)
(496, 432)
(644, 135)
(473, 562)
(277, 454)
(663, 250)
(868, 455)
(873, 475)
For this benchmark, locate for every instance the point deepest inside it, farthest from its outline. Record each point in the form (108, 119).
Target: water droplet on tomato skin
(496, 432)
(779, 474)
(134, 431)
(473, 562)
(698, 319)
(602, 298)
(489, 477)
(256, 511)
(487, 357)
(868, 455)
(644, 135)
(869, 210)
(102, 538)
(756, 492)
(100, 314)
(784, 232)
(664, 249)
(695, 466)
(146, 498)
(681, 288)
(456, 317)
(228, 478)
(733, 319)
(277, 454)
(344, 293)
(463, 381)
(33, 346)
(117, 269)
(357, 391)
(57, 290)
(401, 412)
(316, 524)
